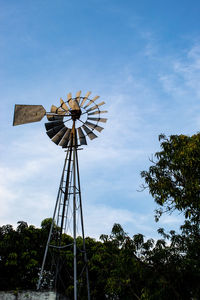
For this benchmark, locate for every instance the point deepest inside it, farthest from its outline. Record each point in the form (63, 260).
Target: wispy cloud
(100, 219)
(183, 74)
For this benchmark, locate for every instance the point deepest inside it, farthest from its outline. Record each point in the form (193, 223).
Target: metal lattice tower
(68, 126)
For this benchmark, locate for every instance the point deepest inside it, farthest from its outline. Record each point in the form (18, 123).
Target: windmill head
(78, 116)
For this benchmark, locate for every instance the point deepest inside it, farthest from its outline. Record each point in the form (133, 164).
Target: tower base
(31, 295)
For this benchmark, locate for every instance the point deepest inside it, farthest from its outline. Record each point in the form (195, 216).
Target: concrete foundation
(29, 295)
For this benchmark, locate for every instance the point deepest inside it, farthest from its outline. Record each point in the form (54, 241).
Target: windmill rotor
(75, 111)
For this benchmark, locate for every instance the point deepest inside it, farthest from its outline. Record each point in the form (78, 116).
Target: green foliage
(174, 182)
(120, 267)
(174, 178)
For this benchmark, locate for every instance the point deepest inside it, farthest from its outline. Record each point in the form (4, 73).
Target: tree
(120, 267)
(174, 178)
(174, 182)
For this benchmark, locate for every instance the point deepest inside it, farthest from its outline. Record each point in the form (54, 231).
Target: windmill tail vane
(68, 125)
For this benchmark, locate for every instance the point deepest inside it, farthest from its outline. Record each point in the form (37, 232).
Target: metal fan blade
(91, 101)
(78, 96)
(24, 114)
(95, 98)
(64, 105)
(57, 110)
(54, 117)
(81, 137)
(58, 137)
(51, 125)
(74, 104)
(88, 104)
(65, 140)
(95, 106)
(98, 119)
(89, 132)
(85, 98)
(53, 108)
(93, 126)
(52, 132)
(69, 96)
(97, 112)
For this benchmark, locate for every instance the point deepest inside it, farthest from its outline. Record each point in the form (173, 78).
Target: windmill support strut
(69, 191)
(74, 211)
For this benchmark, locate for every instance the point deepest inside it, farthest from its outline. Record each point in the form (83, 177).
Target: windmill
(68, 126)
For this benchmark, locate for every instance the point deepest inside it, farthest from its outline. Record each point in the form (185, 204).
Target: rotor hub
(75, 114)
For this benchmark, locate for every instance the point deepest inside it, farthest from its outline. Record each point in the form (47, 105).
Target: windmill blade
(81, 135)
(95, 98)
(91, 101)
(98, 119)
(88, 104)
(97, 112)
(58, 137)
(52, 132)
(95, 106)
(69, 96)
(65, 140)
(57, 110)
(24, 114)
(54, 117)
(51, 125)
(89, 133)
(74, 104)
(78, 96)
(64, 105)
(85, 98)
(93, 126)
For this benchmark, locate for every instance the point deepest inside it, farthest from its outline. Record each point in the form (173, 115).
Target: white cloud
(99, 219)
(175, 219)
(183, 74)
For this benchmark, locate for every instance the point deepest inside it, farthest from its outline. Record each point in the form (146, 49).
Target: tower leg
(67, 209)
(74, 222)
(82, 227)
(52, 224)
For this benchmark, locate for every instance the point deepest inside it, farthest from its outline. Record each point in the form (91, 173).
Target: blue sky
(141, 57)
